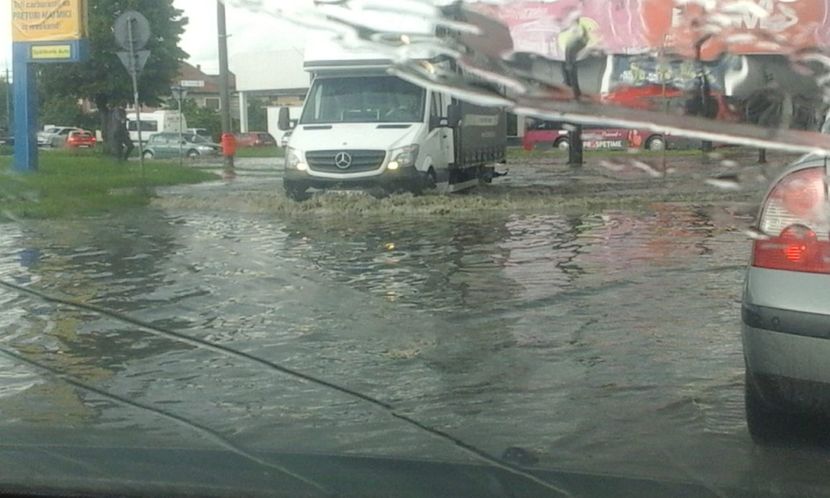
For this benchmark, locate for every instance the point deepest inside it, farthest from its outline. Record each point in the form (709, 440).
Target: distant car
(55, 136)
(550, 134)
(6, 137)
(547, 136)
(165, 145)
(81, 140)
(255, 139)
(202, 132)
(786, 305)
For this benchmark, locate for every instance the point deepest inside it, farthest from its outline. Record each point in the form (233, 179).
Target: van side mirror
(437, 122)
(284, 122)
(453, 115)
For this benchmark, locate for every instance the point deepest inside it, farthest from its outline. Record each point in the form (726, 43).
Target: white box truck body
(155, 122)
(363, 128)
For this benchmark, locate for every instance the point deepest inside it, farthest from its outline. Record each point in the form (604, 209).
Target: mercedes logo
(343, 160)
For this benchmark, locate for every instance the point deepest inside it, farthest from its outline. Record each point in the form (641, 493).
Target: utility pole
(225, 84)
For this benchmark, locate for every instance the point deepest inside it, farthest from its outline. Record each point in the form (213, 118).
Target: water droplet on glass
(615, 166)
(646, 168)
(725, 182)
(755, 233)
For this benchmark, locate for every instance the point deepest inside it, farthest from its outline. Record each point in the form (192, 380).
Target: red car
(81, 140)
(255, 139)
(650, 97)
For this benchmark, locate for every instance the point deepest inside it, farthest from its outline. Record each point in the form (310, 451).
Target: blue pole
(25, 110)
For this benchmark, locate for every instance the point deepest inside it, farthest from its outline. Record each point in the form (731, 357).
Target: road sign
(134, 65)
(192, 83)
(132, 30)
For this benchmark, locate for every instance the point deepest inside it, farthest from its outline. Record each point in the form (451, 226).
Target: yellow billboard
(48, 20)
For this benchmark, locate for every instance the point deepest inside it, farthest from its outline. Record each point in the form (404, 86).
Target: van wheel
(148, 155)
(192, 154)
(563, 144)
(428, 182)
(296, 193)
(656, 143)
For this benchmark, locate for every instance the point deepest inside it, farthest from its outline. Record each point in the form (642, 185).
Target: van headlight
(294, 160)
(404, 157)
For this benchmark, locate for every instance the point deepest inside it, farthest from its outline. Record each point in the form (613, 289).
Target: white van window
(145, 126)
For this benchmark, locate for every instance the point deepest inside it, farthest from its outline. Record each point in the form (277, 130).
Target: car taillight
(795, 218)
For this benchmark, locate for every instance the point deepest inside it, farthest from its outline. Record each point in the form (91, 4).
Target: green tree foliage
(65, 111)
(199, 117)
(5, 100)
(102, 79)
(258, 114)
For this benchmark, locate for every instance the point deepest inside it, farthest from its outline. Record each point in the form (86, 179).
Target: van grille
(361, 160)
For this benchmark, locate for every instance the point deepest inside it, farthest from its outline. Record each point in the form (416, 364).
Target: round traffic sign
(132, 30)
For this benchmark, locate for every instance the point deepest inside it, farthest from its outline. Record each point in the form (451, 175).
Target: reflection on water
(580, 338)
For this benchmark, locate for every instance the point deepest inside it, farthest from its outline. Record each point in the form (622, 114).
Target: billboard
(763, 27)
(637, 26)
(48, 20)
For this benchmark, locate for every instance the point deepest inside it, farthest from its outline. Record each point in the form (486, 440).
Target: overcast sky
(249, 31)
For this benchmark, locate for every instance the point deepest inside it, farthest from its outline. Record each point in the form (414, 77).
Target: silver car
(55, 136)
(786, 304)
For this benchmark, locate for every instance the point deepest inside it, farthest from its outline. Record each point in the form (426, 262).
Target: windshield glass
(578, 248)
(364, 100)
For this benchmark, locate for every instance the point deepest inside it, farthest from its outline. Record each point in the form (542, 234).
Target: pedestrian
(124, 143)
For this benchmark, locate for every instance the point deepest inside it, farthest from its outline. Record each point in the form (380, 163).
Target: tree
(5, 103)
(61, 111)
(199, 117)
(102, 79)
(258, 114)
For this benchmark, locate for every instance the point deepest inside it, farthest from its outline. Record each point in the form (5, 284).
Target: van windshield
(372, 99)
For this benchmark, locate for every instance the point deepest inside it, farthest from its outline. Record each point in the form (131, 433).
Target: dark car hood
(57, 465)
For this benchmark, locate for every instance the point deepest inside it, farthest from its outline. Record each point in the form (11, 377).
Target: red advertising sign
(636, 26)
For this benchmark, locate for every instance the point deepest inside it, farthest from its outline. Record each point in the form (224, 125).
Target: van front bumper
(390, 180)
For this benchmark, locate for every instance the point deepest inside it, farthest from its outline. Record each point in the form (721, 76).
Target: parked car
(55, 136)
(550, 134)
(81, 140)
(162, 145)
(202, 132)
(255, 139)
(547, 135)
(786, 304)
(6, 137)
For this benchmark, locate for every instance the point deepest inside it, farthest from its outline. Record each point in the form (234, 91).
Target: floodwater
(604, 341)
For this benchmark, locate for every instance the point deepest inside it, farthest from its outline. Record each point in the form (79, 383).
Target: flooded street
(600, 333)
